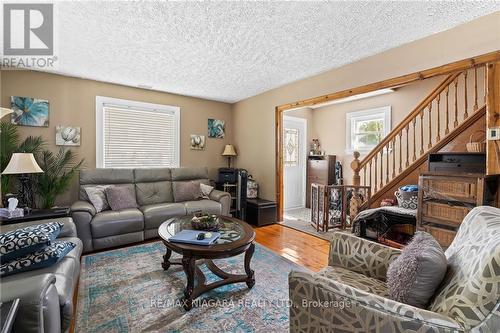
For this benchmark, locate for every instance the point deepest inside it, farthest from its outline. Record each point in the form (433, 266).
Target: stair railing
(457, 97)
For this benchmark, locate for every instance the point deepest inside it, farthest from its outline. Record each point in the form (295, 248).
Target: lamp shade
(4, 112)
(229, 151)
(22, 163)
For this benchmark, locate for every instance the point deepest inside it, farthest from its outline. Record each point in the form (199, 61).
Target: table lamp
(23, 164)
(229, 151)
(4, 112)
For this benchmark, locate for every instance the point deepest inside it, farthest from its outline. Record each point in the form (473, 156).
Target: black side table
(38, 214)
(8, 311)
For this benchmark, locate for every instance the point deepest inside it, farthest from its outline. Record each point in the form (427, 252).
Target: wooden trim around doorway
(389, 83)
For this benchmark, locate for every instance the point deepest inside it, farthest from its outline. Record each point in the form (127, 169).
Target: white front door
(294, 160)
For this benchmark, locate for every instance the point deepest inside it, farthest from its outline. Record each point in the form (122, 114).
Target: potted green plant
(58, 170)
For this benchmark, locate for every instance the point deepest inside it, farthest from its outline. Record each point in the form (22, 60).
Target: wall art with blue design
(30, 111)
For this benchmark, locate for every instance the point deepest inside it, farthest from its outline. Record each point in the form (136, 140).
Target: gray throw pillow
(187, 190)
(121, 197)
(205, 191)
(97, 196)
(415, 275)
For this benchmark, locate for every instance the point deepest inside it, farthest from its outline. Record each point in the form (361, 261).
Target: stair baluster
(389, 145)
(429, 146)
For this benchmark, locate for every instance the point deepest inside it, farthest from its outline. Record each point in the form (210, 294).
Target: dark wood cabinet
(319, 171)
(444, 199)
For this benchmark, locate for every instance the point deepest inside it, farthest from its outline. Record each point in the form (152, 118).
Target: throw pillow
(120, 197)
(97, 196)
(186, 190)
(415, 275)
(205, 191)
(19, 242)
(38, 259)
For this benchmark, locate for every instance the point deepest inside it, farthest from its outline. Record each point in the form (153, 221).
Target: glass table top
(229, 230)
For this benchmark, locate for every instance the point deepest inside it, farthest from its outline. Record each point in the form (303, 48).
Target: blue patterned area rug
(126, 290)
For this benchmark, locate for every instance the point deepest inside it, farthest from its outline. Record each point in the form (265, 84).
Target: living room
(145, 166)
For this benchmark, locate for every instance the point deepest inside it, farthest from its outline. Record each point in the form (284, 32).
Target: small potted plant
(202, 221)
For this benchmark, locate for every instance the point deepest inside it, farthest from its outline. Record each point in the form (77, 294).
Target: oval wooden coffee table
(236, 237)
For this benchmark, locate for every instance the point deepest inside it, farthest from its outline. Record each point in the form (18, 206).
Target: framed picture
(68, 136)
(216, 128)
(29, 111)
(197, 142)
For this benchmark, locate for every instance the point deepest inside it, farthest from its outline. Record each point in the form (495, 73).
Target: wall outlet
(494, 133)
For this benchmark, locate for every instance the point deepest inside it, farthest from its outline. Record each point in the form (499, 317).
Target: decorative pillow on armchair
(19, 242)
(39, 259)
(415, 275)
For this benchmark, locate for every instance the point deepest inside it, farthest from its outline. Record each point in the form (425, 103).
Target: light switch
(494, 133)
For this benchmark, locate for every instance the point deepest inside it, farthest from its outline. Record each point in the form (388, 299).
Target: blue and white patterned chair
(350, 295)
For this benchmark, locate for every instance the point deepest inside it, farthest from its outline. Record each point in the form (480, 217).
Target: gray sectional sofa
(46, 295)
(154, 193)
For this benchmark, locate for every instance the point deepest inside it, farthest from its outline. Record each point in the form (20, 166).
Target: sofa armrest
(317, 302)
(39, 309)
(82, 213)
(224, 198)
(361, 255)
(83, 206)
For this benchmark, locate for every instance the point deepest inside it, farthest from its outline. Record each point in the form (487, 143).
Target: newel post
(356, 179)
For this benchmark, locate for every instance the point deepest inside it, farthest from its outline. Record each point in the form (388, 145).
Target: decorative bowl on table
(206, 222)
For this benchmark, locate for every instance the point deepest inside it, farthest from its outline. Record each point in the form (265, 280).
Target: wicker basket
(476, 147)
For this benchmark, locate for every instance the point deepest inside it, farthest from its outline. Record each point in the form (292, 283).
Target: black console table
(38, 214)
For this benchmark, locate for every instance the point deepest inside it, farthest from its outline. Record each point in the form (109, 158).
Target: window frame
(351, 118)
(102, 101)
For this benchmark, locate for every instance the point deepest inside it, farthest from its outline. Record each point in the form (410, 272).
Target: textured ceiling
(228, 51)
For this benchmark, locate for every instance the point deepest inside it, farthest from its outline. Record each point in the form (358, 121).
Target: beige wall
(254, 117)
(72, 102)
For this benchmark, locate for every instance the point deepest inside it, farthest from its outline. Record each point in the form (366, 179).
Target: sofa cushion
(39, 259)
(117, 222)
(355, 280)
(205, 206)
(20, 242)
(154, 192)
(148, 175)
(415, 275)
(120, 198)
(155, 215)
(189, 173)
(106, 176)
(97, 196)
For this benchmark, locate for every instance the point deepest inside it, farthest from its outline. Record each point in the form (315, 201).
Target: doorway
(294, 162)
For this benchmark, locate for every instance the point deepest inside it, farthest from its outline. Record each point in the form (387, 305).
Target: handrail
(408, 119)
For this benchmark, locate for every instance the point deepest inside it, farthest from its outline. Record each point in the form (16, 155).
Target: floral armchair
(350, 294)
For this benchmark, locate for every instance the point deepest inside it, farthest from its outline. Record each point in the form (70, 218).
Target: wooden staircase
(456, 104)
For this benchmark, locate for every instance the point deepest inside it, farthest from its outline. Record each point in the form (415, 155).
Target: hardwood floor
(299, 247)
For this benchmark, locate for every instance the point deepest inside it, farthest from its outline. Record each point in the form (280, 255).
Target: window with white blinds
(133, 134)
